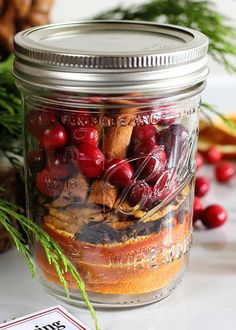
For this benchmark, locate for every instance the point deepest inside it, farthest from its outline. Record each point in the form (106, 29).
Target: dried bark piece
(75, 190)
(102, 195)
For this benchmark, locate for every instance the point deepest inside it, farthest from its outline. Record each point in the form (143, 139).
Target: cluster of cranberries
(64, 149)
(68, 146)
(214, 215)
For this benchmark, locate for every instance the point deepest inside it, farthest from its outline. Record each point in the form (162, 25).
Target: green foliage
(10, 113)
(53, 252)
(199, 15)
(210, 108)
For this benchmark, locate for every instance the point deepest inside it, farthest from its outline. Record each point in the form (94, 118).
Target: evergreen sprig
(8, 214)
(209, 107)
(10, 113)
(196, 14)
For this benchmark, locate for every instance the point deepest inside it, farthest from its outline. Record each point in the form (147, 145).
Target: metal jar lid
(111, 56)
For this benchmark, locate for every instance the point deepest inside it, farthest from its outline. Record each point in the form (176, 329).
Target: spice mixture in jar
(111, 129)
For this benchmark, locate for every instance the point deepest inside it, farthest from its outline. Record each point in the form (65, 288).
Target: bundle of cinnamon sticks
(17, 15)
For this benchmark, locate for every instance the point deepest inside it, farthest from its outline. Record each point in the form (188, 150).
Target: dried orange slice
(220, 135)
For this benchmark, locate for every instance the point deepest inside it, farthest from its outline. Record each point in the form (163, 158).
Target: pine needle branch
(210, 108)
(196, 14)
(53, 252)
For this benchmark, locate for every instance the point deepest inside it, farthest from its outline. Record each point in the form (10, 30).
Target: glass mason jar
(110, 130)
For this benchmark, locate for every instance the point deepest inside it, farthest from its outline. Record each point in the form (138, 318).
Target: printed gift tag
(54, 318)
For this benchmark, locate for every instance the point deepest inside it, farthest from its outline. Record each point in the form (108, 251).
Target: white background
(221, 86)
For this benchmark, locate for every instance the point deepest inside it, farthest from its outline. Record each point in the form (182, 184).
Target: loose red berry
(49, 184)
(214, 216)
(119, 172)
(197, 209)
(38, 120)
(224, 171)
(202, 186)
(199, 161)
(213, 155)
(91, 160)
(144, 134)
(54, 136)
(84, 134)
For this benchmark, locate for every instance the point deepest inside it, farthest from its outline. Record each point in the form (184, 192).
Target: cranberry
(49, 184)
(224, 171)
(197, 209)
(168, 115)
(152, 169)
(202, 186)
(91, 160)
(84, 134)
(144, 149)
(214, 216)
(54, 136)
(174, 138)
(38, 120)
(166, 185)
(144, 134)
(70, 154)
(140, 193)
(213, 155)
(36, 159)
(199, 160)
(60, 164)
(119, 172)
(75, 119)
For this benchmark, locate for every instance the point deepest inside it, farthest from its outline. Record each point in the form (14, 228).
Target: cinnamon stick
(115, 145)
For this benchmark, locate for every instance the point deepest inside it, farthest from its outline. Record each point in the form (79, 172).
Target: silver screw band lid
(113, 55)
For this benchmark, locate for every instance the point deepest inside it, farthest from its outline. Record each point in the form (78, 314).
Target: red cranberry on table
(214, 216)
(84, 134)
(54, 136)
(197, 209)
(213, 155)
(119, 172)
(38, 120)
(90, 160)
(224, 171)
(202, 186)
(48, 184)
(199, 161)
